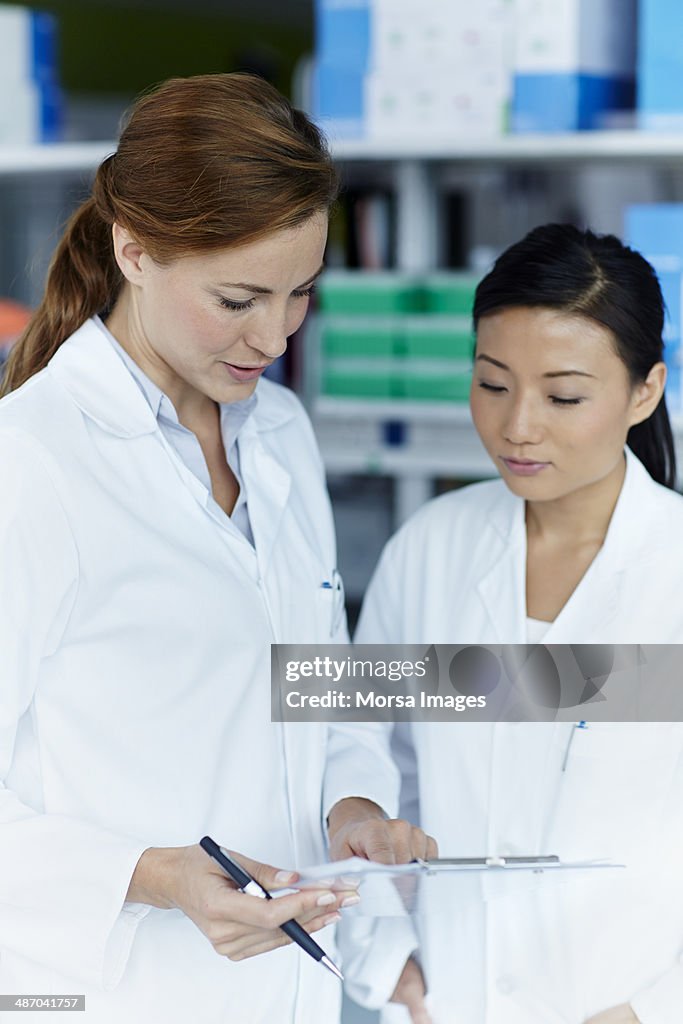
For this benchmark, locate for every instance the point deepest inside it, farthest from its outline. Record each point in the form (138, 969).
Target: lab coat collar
(631, 528)
(101, 385)
(502, 586)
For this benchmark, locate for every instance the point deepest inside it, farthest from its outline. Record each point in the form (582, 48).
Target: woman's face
(212, 323)
(551, 400)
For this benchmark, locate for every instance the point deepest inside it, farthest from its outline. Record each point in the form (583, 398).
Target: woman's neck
(579, 517)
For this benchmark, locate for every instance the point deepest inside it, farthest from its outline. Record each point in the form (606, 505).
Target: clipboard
(356, 869)
(398, 890)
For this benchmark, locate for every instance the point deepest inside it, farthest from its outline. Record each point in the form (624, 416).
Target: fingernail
(331, 919)
(285, 876)
(350, 901)
(325, 899)
(351, 881)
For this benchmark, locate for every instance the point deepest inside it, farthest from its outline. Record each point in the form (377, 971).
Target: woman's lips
(524, 467)
(245, 373)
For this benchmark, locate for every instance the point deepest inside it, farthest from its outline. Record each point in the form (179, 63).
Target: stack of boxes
(656, 230)
(394, 337)
(387, 69)
(457, 69)
(575, 63)
(30, 98)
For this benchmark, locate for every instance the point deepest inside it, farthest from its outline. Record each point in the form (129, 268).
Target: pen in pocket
(572, 734)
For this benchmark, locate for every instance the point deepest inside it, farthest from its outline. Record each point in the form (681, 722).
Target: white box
(27, 45)
(30, 112)
(592, 36)
(446, 106)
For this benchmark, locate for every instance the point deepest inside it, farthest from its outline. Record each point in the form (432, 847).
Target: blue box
(660, 65)
(656, 231)
(567, 102)
(44, 46)
(339, 101)
(51, 114)
(342, 33)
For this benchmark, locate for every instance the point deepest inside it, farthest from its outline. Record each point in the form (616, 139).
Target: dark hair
(203, 163)
(557, 266)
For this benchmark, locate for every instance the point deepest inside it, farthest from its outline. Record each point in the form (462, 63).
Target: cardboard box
(574, 63)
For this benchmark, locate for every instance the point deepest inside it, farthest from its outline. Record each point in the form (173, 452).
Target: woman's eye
(304, 293)
(491, 387)
(565, 401)
(236, 306)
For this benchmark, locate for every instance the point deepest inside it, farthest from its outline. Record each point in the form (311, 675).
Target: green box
(353, 340)
(438, 338)
(444, 388)
(450, 293)
(357, 385)
(367, 293)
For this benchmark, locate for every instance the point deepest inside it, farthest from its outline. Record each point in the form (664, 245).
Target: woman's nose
(523, 425)
(269, 336)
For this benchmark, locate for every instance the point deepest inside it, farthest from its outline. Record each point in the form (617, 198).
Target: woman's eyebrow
(570, 373)
(552, 374)
(260, 290)
(490, 359)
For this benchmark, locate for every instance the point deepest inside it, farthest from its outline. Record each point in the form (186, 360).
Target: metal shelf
(386, 410)
(543, 147)
(54, 157)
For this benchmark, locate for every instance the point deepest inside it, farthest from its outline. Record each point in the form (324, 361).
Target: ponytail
(83, 279)
(652, 442)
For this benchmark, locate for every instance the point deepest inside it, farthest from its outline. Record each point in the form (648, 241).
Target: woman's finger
(272, 941)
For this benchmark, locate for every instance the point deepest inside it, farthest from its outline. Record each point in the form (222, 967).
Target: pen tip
(332, 967)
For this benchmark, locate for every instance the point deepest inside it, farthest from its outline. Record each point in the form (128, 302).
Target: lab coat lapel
(502, 584)
(99, 383)
(594, 606)
(268, 487)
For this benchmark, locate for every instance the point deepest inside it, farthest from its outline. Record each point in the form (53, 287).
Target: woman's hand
(237, 925)
(617, 1015)
(359, 828)
(410, 992)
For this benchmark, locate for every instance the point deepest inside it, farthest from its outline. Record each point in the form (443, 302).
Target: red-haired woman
(163, 520)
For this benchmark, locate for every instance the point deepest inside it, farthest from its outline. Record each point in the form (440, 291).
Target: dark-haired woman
(163, 520)
(579, 541)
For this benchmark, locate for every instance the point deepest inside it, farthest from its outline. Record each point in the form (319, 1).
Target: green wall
(124, 49)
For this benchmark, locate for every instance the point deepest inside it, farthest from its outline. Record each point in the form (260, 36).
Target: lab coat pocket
(331, 610)
(613, 790)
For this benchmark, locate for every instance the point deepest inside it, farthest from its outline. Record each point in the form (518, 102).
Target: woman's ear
(647, 394)
(129, 254)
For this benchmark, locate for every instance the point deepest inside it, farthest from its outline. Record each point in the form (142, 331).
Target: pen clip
(335, 584)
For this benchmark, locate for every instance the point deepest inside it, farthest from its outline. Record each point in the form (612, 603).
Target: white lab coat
(527, 949)
(135, 631)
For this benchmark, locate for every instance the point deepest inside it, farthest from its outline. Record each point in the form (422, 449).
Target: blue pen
(247, 884)
(578, 725)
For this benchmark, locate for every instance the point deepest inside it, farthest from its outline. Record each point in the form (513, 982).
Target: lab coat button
(505, 985)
